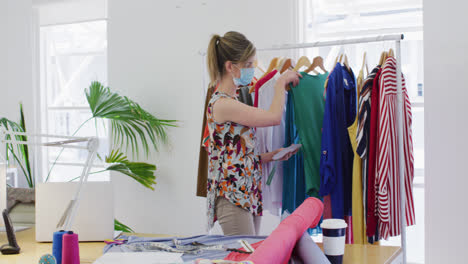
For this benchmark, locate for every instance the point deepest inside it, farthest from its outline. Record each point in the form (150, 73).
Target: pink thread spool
(70, 249)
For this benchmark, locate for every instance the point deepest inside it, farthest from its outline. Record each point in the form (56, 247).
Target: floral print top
(235, 169)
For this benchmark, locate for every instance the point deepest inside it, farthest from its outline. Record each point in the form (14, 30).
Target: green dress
(309, 105)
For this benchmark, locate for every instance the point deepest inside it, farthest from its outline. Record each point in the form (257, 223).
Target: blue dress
(336, 163)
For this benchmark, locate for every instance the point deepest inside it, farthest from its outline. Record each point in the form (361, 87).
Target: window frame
(42, 103)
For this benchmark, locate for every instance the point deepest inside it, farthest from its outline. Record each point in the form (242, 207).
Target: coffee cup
(334, 234)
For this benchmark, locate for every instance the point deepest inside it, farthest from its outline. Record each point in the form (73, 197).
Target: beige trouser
(235, 220)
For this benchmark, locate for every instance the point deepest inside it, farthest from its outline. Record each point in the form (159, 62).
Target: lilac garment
(227, 241)
(309, 252)
(269, 139)
(306, 251)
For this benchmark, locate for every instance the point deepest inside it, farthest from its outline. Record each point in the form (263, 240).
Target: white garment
(269, 139)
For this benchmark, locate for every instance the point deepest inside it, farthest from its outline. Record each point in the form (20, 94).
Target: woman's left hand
(267, 157)
(287, 156)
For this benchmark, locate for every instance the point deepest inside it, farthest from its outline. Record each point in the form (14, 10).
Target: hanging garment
(308, 113)
(235, 170)
(206, 134)
(269, 139)
(371, 217)
(293, 169)
(203, 155)
(349, 239)
(244, 96)
(375, 239)
(336, 152)
(387, 168)
(327, 210)
(260, 83)
(362, 138)
(358, 226)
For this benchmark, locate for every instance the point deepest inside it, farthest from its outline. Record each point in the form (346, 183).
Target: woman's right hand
(288, 77)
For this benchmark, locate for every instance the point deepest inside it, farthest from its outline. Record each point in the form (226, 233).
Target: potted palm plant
(133, 130)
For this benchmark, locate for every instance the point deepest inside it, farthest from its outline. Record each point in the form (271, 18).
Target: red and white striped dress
(387, 170)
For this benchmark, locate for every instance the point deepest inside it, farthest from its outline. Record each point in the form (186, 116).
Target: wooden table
(31, 251)
(370, 254)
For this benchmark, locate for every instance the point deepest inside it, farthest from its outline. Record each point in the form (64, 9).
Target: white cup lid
(333, 224)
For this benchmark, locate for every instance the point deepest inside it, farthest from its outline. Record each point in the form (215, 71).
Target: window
(71, 57)
(340, 19)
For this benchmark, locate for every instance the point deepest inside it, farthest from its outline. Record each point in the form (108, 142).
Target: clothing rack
(397, 39)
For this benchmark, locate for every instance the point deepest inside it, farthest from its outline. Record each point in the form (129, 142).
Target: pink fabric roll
(277, 248)
(236, 256)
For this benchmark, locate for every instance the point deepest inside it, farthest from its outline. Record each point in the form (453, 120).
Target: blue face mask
(246, 76)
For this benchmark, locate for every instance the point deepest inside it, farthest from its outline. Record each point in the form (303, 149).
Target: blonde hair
(233, 46)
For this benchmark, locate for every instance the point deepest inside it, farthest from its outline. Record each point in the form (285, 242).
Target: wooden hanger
(271, 67)
(280, 61)
(391, 53)
(280, 64)
(336, 60)
(361, 75)
(317, 62)
(339, 57)
(286, 65)
(346, 61)
(383, 58)
(303, 61)
(364, 63)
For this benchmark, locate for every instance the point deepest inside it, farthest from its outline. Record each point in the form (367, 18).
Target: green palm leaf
(139, 171)
(13, 126)
(17, 152)
(118, 226)
(130, 123)
(24, 150)
(115, 157)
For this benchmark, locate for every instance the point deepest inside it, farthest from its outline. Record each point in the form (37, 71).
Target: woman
(234, 180)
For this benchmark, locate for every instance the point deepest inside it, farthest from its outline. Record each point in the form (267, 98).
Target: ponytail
(214, 68)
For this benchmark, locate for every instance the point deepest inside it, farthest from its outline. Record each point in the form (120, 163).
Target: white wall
(153, 59)
(445, 44)
(16, 83)
(3, 79)
(16, 59)
(3, 47)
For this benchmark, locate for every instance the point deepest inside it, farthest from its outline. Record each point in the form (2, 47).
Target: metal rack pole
(401, 152)
(395, 37)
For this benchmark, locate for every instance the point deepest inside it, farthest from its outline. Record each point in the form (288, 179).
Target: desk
(31, 251)
(370, 254)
